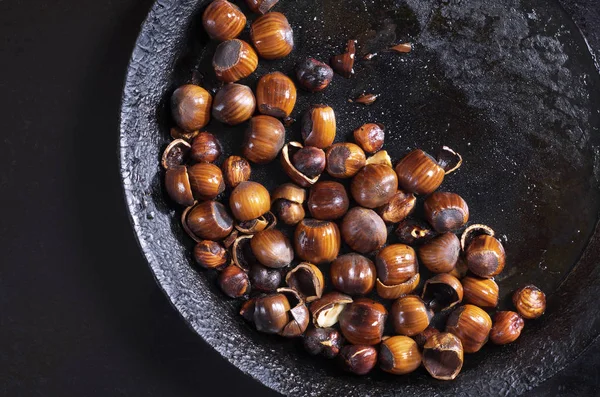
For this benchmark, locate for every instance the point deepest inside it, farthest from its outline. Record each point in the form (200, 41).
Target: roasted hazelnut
(271, 313)
(319, 126)
(414, 232)
(190, 107)
(234, 282)
(441, 253)
(206, 181)
(353, 274)
(398, 290)
(358, 359)
(265, 136)
(419, 173)
(344, 160)
(381, 157)
(317, 241)
(343, 64)
(234, 104)
(176, 154)
(276, 95)
(178, 133)
(249, 200)
(323, 341)
(443, 356)
(442, 292)
(272, 35)
(298, 177)
(208, 220)
(362, 322)
(210, 254)
(400, 206)
(272, 248)
(264, 278)
(328, 200)
(287, 202)
(482, 292)
(307, 280)
(529, 301)
(223, 20)
(363, 230)
(236, 170)
(177, 184)
(446, 212)
(370, 137)
(374, 185)
(485, 256)
(326, 310)
(309, 161)
(422, 337)
(399, 355)
(471, 325)
(313, 75)
(410, 316)
(300, 316)
(507, 328)
(234, 60)
(396, 264)
(205, 148)
(261, 6)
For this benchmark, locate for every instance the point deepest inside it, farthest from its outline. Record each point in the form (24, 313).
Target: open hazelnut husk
(253, 226)
(307, 280)
(287, 153)
(326, 311)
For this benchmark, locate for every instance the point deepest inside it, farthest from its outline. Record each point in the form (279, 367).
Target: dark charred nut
(249, 200)
(419, 173)
(402, 47)
(344, 160)
(482, 292)
(374, 185)
(398, 290)
(442, 292)
(234, 60)
(300, 316)
(326, 342)
(362, 322)
(313, 75)
(446, 212)
(272, 248)
(414, 232)
(276, 95)
(461, 269)
(363, 230)
(396, 264)
(223, 20)
(358, 359)
(234, 282)
(241, 253)
(317, 241)
(234, 104)
(529, 301)
(443, 356)
(370, 137)
(287, 202)
(343, 64)
(286, 163)
(319, 126)
(310, 161)
(190, 107)
(176, 154)
(381, 157)
(211, 254)
(471, 325)
(441, 253)
(400, 206)
(177, 184)
(328, 200)
(206, 181)
(399, 355)
(265, 136)
(272, 35)
(326, 310)
(422, 337)
(271, 313)
(473, 231)
(307, 280)
(485, 256)
(178, 133)
(209, 220)
(365, 99)
(449, 160)
(410, 315)
(264, 278)
(205, 148)
(353, 274)
(236, 170)
(261, 6)
(507, 328)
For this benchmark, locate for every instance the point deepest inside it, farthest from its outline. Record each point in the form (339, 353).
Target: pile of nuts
(240, 238)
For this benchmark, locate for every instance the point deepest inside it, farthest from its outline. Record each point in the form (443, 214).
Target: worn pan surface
(509, 84)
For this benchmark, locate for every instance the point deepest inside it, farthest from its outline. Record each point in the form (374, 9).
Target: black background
(80, 313)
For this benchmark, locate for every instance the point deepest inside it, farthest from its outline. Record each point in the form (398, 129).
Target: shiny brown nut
(422, 337)
(323, 341)
(400, 206)
(414, 232)
(326, 310)
(358, 359)
(295, 175)
(234, 282)
(419, 173)
(249, 200)
(264, 278)
(313, 75)
(299, 314)
(399, 355)
(328, 200)
(443, 356)
(471, 325)
(344, 160)
(398, 290)
(442, 292)
(265, 136)
(234, 60)
(234, 104)
(319, 126)
(209, 220)
(441, 253)
(287, 202)
(317, 241)
(272, 248)
(362, 322)
(506, 328)
(396, 264)
(272, 35)
(343, 64)
(307, 280)
(236, 170)
(529, 301)
(178, 133)
(177, 184)
(261, 6)
(176, 154)
(190, 107)
(309, 161)
(363, 230)
(381, 157)
(485, 256)
(276, 95)
(353, 274)
(271, 313)
(223, 20)
(482, 292)
(446, 212)
(410, 315)
(205, 148)
(211, 254)
(206, 181)
(370, 137)
(374, 185)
